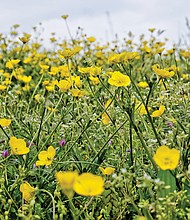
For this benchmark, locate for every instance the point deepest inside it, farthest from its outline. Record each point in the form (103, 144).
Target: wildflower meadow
(92, 130)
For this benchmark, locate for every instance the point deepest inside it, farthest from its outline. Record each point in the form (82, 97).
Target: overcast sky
(92, 15)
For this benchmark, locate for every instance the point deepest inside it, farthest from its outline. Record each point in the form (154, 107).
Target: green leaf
(169, 180)
(187, 188)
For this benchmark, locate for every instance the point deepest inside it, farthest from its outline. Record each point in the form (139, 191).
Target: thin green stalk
(70, 148)
(146, 107)
(131, 143)
(94, 158)
(86, 206)
(53, 201)
(4, 132)
(32, 97)
(44, 144)
(73, 210)
(46, 119)
(40, 128)
(143, 143)
(6, 191)
(148, 113)
(102, 106)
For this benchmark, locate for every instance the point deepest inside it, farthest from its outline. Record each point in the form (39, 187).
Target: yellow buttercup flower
(142, 109)
(37, 97)
(5, 122)
(123, 57)
(141, 218)
(158, 112)
(84, 70)
(88, 184)
(107, 170)
(95, 71)
(105, 118)
(2, 87)
(64, 85)
(50, 87)
(166, 158)
(27, 60)
(43, 66)
(10, 64)
(91, 39)
(54, 70)
(25, 79)
(185, 54)
(76, 80)
(118, 79)
(143, 84)
(108, 103)
(18, 146)
(64, 70)
(152, 29)
(27, 191)
(65, 16)
(66, 181)
(46, 157)
(94, 80)
(68, 52)
(77, 92)
(25, 38)
(164, 73)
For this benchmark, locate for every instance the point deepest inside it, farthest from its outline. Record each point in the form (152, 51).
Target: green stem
(73, 210)
(86, 206)
(70, 148)
(148, 114)
(35, 156)
(106, 143)
(146, 107)
(131, 143)
(40, 128)
(34, 92)
(143, 142)
(4, 132)
(53, 201)
(11, 198)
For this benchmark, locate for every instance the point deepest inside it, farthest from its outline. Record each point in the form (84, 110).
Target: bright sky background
(92, 15)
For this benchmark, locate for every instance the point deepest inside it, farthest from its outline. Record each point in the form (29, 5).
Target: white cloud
(125, 15)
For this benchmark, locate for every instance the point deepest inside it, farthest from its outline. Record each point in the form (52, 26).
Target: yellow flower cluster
(86, 184)
(163, 73)
(123, 57)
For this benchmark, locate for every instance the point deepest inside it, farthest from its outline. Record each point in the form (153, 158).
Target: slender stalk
(53, 201)
(143, 142)
(34, 92)
(40, 128)
(35, 156)
(73, 210)
(146, 107)
(70, 148)
(4, 132)
(131, 143)
(94, 158)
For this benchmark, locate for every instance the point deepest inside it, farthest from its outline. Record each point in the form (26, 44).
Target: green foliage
(106, 126)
